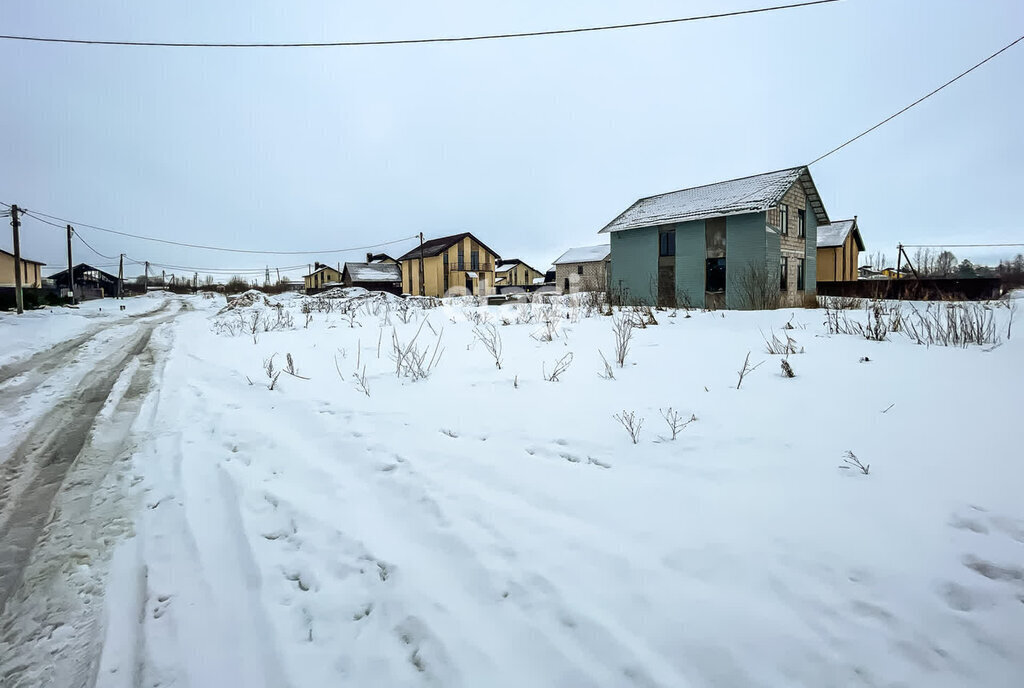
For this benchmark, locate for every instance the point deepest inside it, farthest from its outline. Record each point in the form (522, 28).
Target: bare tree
(945, 264)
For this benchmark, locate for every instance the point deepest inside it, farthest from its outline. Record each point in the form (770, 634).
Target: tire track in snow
(59, 496)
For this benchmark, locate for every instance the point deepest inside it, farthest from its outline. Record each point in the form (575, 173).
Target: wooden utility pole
(146, 284)
(71, 269)
(15, 223)
(195, 282)
(278, 275)
(422, 288)
(120, 278)
(163, 279)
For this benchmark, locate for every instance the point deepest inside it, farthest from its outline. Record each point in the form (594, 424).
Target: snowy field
(392, 508)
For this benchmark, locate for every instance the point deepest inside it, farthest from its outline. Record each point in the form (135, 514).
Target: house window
(714, 277)
(474, 260)
(799, 274)
(579, 269)
(784, 218)
(667, 241)
(801, 220)
(444, 260)
(784, 273)
(462, 258)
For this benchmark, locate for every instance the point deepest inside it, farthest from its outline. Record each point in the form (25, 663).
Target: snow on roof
(538, 280)
(506, 267)
(374, 272)
(746, 195)
(834, 234)
(585, 254)
(471, 274)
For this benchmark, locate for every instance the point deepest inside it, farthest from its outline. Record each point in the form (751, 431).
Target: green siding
(811, 251)
(634, 269)
(773, 253)
(745, 245)
(691, 250)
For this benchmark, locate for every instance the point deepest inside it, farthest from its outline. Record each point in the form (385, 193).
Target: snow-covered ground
(480, 525)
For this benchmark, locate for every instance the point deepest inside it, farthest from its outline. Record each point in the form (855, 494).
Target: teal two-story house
(742, 243)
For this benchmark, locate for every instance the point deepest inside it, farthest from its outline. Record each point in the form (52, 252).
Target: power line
(36, 214)
(918, 101)
(418, 41)
(960, 245)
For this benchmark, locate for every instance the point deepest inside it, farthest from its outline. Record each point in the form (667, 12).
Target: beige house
(515, 273)
(839, 247)
(585, 268)
(31, 271)
(456, 264)
(322, 277)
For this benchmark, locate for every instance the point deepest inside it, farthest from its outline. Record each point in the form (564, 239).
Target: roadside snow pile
(247, 299)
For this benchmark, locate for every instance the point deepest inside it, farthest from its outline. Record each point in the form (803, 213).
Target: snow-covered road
(70, 408)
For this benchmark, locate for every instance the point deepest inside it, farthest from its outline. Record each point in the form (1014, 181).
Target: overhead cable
(418, 41)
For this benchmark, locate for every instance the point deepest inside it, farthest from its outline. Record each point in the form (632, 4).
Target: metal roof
(752, 194)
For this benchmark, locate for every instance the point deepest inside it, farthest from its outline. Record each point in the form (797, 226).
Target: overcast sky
(531, 144)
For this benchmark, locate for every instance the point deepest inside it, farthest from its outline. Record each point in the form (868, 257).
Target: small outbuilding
(377, 276)
(584, 268)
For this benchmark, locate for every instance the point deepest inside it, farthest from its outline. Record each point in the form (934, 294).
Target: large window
(784, 274)
(474, 260)
(714, 277)
(799, 274)
(667, 243)
(784, 218)
(801, 222)
(462, 257)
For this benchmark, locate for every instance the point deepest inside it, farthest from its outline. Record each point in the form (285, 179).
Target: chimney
(369, 257)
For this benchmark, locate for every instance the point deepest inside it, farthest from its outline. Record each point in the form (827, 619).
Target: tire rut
(31, 478)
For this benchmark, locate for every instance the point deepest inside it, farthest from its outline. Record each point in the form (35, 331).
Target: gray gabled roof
(374, 272)
(830, 236)
(584, 254)
(734, 197)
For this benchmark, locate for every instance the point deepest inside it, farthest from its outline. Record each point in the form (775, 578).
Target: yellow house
(452, 265)
(323, 276)
(839, 246)
(515, 273)
(31, 276)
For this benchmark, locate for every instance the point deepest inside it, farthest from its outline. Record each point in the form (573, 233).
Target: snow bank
(483, 526)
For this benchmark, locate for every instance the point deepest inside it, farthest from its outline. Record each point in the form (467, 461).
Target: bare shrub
(548, 332)
(622, 326)
(840, 303)
(412, 361)
(489, 337)
(758, 288)
(360, 382)
(953, 324)
(631, 423)
(778, 346)
(746, 369)
(561, 365)
(273, 373)
(787, 370)
(608, 373)
(641, 316)
(852, 462)
(676, 422)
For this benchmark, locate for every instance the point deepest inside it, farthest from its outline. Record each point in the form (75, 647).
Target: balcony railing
(464, 267)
